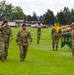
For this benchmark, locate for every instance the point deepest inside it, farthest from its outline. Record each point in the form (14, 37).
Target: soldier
(38, 33)
(22, 41)
(55, 34)
(73, 40)
(7, 36)
(1, 47)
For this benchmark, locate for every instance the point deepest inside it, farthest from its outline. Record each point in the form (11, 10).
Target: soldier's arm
(52, 33)
(17, 38)
(11, 35)
(30, 38)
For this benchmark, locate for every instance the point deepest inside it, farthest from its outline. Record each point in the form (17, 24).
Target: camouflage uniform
(7, 35)
(1, 46)
(55, 38)
(22, 41)
(72, 35)
(73, 42)
(38, 33)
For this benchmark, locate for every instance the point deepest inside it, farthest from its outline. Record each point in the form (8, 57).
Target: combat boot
(38, 42)
(56, 48)
(3, 59)
(53, 48)
(0, 57)
(22, 59)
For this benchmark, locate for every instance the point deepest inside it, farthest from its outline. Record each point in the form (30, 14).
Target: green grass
(40, 60)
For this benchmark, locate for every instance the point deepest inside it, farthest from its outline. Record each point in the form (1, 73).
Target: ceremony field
(40, 60)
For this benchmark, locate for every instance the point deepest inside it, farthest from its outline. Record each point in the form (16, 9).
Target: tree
(2, 10)
(29, 18)
(72, 18)
(5, 10)
(34, 17)
(61, 18)
(41, 19)
(9, 12)
(18, 13)
(72, 15)
(49, 17)
(67, 15)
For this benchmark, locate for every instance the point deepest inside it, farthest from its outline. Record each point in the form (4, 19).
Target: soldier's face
(24, 27)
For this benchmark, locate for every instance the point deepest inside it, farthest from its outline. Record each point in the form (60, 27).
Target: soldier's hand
(4, 25)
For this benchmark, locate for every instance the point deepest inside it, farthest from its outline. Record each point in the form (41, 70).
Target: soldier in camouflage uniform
(7, 36)
(72, 39)
(55, 37)
(38, 33)
(22, 41)
(1, 47)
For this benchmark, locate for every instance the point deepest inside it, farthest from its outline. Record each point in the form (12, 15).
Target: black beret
(4, 22)
(23, 25)
(38, 22)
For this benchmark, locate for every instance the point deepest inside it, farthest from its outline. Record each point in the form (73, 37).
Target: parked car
(34, 25)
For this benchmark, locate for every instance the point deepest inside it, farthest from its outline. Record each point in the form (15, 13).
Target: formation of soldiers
(22, 39)
(63, 30)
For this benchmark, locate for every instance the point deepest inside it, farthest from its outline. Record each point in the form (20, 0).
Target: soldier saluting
(7, 37)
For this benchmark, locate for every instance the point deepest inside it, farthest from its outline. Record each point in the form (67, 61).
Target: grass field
(40, 60)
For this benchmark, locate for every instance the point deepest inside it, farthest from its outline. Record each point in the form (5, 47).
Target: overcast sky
(41, 6)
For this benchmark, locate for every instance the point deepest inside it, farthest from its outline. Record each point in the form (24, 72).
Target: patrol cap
(38, 22)
(5, 22)
(23, 25)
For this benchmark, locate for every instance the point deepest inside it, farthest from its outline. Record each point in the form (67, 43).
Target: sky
(41, 6)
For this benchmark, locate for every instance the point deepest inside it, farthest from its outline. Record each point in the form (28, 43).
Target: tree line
(10, 13)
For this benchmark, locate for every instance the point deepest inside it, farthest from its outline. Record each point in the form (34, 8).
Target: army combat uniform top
(38, 29)
(38, 33)
(1, 46)
(22, 41)
(22, 37)
(7, 36)
(55, 38)
(7, 33)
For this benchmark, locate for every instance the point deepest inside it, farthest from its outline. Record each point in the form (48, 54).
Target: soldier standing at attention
(38, 33)
(55, 34)
(7, 36)
(22, 41)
